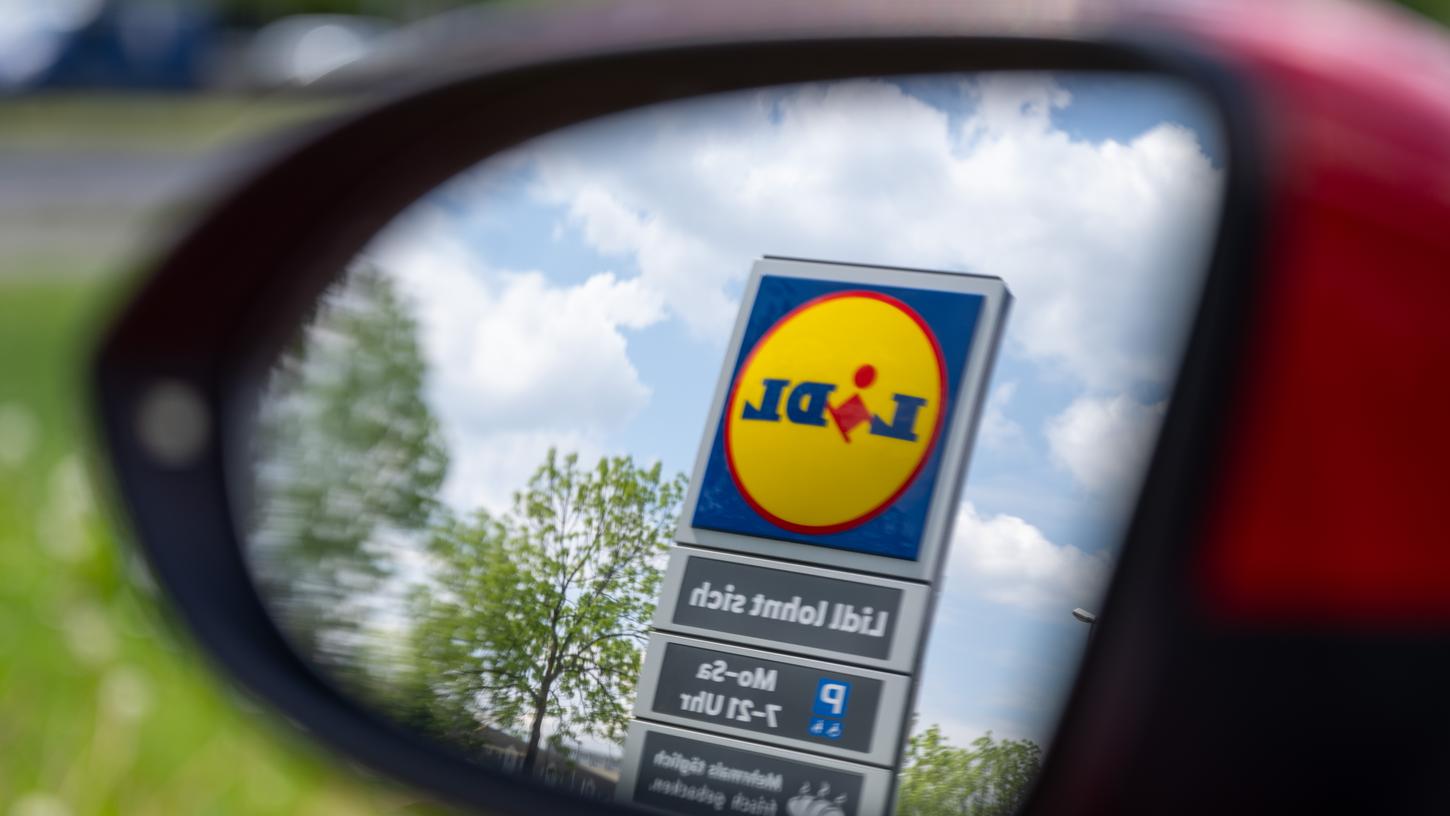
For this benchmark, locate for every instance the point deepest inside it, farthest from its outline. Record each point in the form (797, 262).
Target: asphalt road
(101, 209)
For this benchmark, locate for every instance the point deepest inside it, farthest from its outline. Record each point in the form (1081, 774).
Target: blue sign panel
(829, 707)
(831, 431)
(831, 697)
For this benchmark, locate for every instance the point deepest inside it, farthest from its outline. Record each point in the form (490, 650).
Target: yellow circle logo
(835, 411)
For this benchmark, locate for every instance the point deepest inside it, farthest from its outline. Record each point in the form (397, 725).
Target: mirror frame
(188, 352)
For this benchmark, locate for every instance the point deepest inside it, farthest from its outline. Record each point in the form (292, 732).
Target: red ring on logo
(941, 369)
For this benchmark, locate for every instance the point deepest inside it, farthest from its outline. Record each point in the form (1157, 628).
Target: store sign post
(859, 619)
(829, 708)
(794, 612)
(679, 771)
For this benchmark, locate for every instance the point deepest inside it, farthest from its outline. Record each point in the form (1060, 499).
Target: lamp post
(1086, 617)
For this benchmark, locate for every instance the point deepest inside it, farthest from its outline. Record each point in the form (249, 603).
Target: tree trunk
(531, 754)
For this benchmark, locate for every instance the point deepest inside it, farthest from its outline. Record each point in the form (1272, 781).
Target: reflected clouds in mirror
(474, 451)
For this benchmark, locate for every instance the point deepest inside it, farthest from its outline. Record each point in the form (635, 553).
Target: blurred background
(117, 119)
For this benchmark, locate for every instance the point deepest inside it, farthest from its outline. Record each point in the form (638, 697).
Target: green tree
(990, 778)
(349, 461)
(540, 614)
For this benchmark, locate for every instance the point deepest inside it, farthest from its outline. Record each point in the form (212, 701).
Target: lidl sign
(830, 466)
(845, 390)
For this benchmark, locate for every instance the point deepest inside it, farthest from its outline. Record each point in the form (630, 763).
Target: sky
(578, 292)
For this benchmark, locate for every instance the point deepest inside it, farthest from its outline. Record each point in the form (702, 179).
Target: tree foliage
(348, 454)
(528, 622)
(539, 615)
(989, 778)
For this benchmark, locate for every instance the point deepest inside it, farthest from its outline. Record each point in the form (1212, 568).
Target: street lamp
(1085, 616)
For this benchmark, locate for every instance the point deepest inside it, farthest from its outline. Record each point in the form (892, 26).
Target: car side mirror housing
(308, 404)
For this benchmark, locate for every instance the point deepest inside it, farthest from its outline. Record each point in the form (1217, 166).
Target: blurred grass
(148, 123)
(104, 706)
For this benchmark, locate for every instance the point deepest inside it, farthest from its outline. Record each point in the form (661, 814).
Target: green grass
(149, 122)
(104, 708)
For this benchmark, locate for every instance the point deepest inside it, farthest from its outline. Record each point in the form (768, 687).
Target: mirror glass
(471, 462)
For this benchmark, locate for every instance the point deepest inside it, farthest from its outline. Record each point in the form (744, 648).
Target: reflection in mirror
(471, 462)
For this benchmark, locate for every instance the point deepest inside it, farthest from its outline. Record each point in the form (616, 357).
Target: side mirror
(399, 423)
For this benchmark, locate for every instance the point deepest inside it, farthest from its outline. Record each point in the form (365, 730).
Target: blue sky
(578, 292)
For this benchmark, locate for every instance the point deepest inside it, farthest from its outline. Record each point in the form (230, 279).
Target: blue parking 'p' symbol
(831, 697)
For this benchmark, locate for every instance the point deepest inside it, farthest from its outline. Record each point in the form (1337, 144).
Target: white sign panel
(818, 612)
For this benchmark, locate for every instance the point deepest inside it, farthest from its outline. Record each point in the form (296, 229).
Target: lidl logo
(835, 411)
(831, 427)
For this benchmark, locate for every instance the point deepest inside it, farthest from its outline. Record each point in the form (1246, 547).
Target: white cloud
(1006, 560)
(997, 429)
(1099, 241)
(536, 355)
(1012, 103)
(1104, 442)
(487, 468)
(516, 363)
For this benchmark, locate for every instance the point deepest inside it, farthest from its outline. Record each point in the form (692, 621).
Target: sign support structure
(781, 671)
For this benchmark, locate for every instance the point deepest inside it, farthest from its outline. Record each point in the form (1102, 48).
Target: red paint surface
(1334, 504)
(849, 414)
